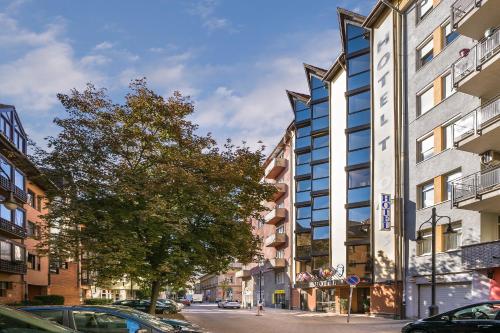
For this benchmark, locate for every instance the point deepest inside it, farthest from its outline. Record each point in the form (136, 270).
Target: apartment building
(24, 272)
(215, 287)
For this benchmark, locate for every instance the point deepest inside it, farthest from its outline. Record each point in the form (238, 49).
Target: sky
(234, 58)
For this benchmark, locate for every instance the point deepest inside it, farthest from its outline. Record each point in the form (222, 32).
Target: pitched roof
(337, 65)
(347, 15)
(295, 95)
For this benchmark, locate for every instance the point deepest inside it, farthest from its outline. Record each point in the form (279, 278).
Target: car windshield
(17, 321)
(483, 311)
(150, 319)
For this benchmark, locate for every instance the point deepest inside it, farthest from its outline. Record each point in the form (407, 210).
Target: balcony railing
(276, 215)
(6, 185)
(476, 120)
(275, 239)
(278, 262)
(243, 274)
(473, 186)
(481, 255)
(275, 167)
(12, 228)
(14, 267)
(461, 8)
(477, 56)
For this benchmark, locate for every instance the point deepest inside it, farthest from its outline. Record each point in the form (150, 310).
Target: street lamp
(260, 280)
(9, 202)
(433, 308)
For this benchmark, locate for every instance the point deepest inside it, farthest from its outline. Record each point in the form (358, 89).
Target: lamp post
(433, 308)
(260, 281)
(9, 202)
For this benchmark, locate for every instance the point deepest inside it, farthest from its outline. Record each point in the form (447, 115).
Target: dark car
(481, 318)
(143, 305)
(101, 319)
(12, 320)
(183, 326)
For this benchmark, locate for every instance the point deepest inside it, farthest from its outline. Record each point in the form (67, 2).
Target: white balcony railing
(472, 186)
(476, 120)
(461, 8)
(476, 57)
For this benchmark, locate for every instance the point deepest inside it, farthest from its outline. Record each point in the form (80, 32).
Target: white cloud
(205, 10)
(103, 46)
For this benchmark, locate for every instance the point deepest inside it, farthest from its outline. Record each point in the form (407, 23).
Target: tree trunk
(155, 291)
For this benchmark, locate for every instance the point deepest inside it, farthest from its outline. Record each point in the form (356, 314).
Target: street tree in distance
(143, 195)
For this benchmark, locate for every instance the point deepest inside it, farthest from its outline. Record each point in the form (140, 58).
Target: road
(275, 321)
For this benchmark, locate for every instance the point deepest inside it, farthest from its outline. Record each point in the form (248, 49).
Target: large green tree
(142, 194)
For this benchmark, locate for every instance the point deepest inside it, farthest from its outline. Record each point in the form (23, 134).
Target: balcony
(6, 186)
(243, 274)
(280, 191)
(13, 267)
(275, 240)
(481, 255)
(12, 229)
(278, 262)
(472, 17)
(275, 216)
(275, 167)
(476, 73)
(479, 130)
(479, 191)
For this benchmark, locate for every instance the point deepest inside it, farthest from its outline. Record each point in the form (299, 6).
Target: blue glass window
(303, 185)
(303, 224)
(321, 202)
(451, 37)
(303, 131)
(303, 158)
(320, 110)
(358, 194)
(359, 215)
(320, 123)
(320, 141)
(319, 93)
(303, 169)
(358, 64)
(321, 232)
(303, 142)
(359, 139)
(358, 119)
(358, 156)
(320, 154)
(6, 167)
(359, 102)
(321, 215)
(5, 213)
(358, 81)
(299, 105)
(20, 216)
(19, 179)
(320, 184)
(303, 115)
(359, 178)
(303, 196)
(320, 170)
(316, 82)
(354, 31)
(304, 212)
(358, 43)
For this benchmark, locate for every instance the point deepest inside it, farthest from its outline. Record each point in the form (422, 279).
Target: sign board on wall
(385, 211)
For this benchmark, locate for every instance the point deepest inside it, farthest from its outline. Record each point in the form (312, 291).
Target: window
(425, 52)
(453, 240)
(359, 109)
(359, 140)
(303, 131)
(447, 85)
(448, 135)
(18, 253)
(321, 232)
(358, 225)
(303, 188)
(474, 313)
(426, 148)
(321, 262)
(32, 261)
(356, 39)
(427, 195)
(303, 142)
(449, 34)
(33, 230)
(359, 262)
(5, 251)
(302, 112)
(320, 154)
(5, 213)
(19, 180)
(4, 286)
(449, 180)
(279, 277)
(423, 8)
(31, 198)
(320, 170)
(280, 229)
(303, 167)
(425, 100)
(92, 322)
(425, 245)
(321, 208)
(303, 212)
(359, 185)
(320, 141)
(20, 217)
(319, 88)
(6, 167)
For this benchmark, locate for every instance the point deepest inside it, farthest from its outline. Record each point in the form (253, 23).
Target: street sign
(352, 280)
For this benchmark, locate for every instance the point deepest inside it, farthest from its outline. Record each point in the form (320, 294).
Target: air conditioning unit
(490, 157)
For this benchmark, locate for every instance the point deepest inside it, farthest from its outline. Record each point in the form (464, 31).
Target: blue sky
(234, 58)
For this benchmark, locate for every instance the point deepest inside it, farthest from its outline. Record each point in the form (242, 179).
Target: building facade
(215, 287)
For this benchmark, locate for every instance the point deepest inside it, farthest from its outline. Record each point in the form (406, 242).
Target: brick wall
(66, 284)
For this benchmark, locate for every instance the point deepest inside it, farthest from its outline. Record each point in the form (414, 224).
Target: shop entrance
(325, 300)
(303, 300)
(362, 300)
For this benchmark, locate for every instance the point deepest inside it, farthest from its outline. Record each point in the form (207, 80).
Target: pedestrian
(260, 308)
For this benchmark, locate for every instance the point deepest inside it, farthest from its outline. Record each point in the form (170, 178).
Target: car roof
(463, 307)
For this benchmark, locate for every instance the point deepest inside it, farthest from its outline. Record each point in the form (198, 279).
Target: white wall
(338, 162)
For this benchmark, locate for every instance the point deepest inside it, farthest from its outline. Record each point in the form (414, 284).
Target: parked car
(197, 298)
(102, 318)
(12, 320)
(229, 304)
(185, 301)
(143, 305)
(178, 305)
(183, 326)
(481, 317)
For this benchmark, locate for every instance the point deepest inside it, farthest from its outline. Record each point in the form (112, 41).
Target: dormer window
(11, 128)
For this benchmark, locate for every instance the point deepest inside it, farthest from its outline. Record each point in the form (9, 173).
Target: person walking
(260, 308)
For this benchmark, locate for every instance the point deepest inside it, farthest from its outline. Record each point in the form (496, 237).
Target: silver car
(229, 304)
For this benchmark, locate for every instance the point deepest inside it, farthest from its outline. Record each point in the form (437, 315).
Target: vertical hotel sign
(384, 158)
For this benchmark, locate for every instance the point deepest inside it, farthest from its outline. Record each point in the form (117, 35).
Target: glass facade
(312, 178)
(358, 172)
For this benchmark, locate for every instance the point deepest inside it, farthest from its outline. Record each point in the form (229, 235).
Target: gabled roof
(295, 95)
(310, 69)
(347, 15)
(380, 7)
(337, 65)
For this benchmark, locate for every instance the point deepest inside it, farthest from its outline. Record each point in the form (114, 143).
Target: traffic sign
(352, 280)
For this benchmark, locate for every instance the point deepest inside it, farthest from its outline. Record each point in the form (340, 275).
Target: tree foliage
(143, 195)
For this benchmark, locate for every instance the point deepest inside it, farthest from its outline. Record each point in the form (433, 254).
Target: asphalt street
(217, 320)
